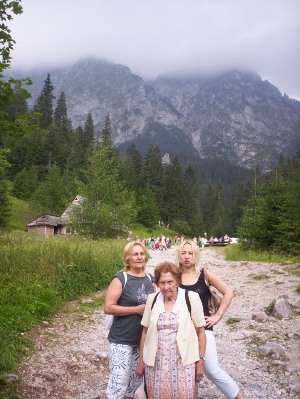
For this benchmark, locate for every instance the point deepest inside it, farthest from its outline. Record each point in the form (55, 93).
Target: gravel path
(70, 356)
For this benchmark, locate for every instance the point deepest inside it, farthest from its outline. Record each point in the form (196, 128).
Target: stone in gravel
(260, 317)
(282, 309)
(270, 348)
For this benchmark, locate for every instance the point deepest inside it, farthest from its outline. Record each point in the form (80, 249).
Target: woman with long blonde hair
(188, 260)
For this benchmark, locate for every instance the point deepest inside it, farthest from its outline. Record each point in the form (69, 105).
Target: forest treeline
(50, 163)
(47, 162)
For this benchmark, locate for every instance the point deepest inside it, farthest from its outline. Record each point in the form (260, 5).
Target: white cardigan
(187, 339)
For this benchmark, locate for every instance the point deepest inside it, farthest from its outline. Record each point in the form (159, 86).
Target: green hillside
(19, 216)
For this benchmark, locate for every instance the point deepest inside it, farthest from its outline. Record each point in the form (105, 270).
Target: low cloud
(155, 37)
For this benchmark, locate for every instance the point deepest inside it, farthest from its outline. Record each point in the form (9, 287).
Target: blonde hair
(127, 252)
(196, 253)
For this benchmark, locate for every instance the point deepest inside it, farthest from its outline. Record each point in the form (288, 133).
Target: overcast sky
(155, 37)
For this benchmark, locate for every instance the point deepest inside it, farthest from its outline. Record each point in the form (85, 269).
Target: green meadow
(38, 275)
(238, 253)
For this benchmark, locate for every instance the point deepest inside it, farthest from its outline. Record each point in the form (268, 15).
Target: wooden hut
(47, 225)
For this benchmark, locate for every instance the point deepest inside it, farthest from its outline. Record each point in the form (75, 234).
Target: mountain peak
(234, 115)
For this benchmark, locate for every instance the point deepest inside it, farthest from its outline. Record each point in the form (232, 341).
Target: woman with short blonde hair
(127, 252)
(125, 300)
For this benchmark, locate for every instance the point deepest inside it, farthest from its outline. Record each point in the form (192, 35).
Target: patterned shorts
(123, 380)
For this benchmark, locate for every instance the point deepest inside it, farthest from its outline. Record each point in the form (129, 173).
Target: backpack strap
(154, 300)
(188, 303)
(125, 279)
(187, 300)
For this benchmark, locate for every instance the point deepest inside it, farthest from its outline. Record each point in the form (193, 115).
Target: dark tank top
(202, 290)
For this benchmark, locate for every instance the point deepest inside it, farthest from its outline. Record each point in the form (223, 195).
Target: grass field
(38, 275)
(236, 253)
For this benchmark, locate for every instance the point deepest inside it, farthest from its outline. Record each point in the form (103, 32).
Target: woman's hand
(140, 309)
(212, 320)
(140, 369)
(199, 370)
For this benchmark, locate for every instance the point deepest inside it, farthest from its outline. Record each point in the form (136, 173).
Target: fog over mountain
(234, 115)
(168, 37)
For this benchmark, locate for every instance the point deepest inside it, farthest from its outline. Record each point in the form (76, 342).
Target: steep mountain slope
(235, 116)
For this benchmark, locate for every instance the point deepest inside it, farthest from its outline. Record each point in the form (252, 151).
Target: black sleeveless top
(202, 290)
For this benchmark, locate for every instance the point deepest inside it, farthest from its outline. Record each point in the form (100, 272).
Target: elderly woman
(125, 299)
(188, 258)
(173, 338)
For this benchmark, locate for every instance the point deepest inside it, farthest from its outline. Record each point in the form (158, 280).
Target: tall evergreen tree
(44, 104)
(153, 175)
(175, 200)
(77, 159)
(214, 209)
(238, 201)
(192, 207)
(107, 138)
(271, 220)
(56, 147)
(220, 207)
(131, 167)
(88, 134)
(61, 114)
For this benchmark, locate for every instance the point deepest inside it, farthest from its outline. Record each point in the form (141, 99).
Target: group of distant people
(203, 241)
(158, 243)
(162, 331)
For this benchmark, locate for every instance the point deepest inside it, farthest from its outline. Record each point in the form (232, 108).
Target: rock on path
(260, 352)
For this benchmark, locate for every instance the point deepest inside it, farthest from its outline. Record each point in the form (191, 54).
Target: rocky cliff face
(236, 115)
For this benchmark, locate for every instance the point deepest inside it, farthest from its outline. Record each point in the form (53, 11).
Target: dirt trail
(70, 356)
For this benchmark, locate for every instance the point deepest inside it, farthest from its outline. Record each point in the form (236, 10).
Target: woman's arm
(227, 293)
(141, 365)
(113, 294)
(202, 348)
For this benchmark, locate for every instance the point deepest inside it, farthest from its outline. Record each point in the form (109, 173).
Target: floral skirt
(168, 379)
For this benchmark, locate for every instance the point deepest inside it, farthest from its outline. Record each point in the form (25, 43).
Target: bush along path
(258, 338)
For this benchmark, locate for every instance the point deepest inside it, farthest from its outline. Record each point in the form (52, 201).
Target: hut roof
(46, 220)
(78, 200)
